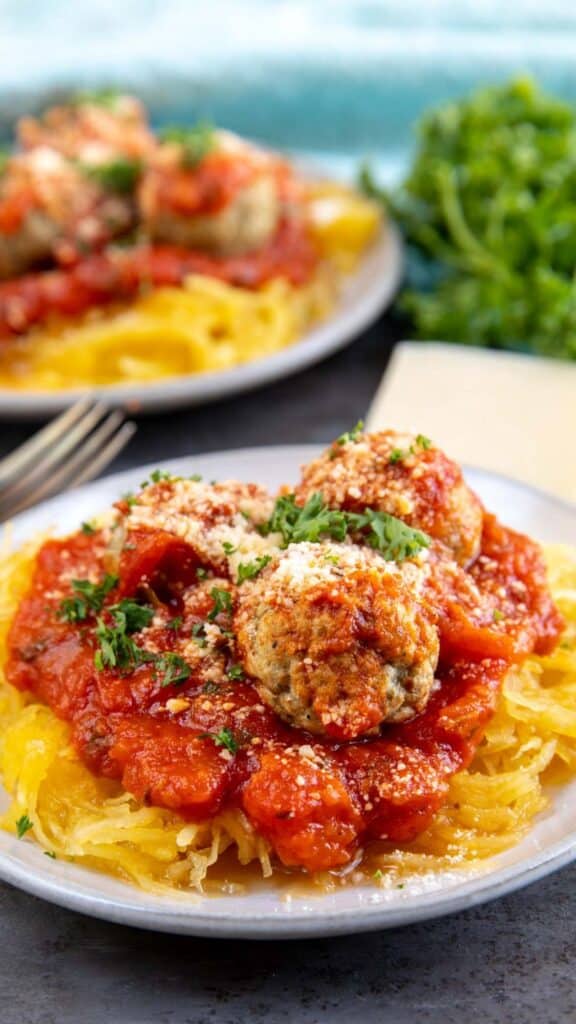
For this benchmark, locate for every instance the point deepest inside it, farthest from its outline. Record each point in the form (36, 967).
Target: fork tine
(26, 453)
(117, 443)
(80, 467)
(47, 461)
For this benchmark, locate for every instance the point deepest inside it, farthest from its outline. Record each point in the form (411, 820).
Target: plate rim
(253, 924)
(328, 336)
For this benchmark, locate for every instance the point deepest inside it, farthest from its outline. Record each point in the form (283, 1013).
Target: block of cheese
(510, 413)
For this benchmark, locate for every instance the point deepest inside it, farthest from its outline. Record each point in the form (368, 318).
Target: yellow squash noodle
(529, 745)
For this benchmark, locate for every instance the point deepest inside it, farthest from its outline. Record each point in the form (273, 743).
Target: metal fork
(69, 451)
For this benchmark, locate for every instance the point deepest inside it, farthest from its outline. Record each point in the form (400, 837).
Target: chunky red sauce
(314, 811)
(120, 275)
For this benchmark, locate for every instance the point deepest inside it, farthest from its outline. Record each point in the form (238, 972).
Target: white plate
(264, 913)
(364, 295)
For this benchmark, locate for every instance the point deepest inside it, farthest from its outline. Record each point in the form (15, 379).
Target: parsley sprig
(315, 521)
(174, 668)
(88, 598)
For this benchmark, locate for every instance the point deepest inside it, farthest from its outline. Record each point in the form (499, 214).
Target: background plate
(264, 913)
(364, 295)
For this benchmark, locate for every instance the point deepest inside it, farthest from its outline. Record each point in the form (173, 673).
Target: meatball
(406, 476)
(218, 521)
(227, 204)
(96, 126)
(49, 208)
(338, 640)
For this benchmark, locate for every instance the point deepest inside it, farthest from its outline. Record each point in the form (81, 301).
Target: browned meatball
(228, 203)
(404, 475)
(337, 639)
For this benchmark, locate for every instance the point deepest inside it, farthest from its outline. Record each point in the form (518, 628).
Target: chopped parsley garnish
(118, 649)
(120, 175)
(88, 598)
(157, 476)
(130, 498)
(249, 570)
(50, 853)
(196, 477)
(315, 521)
(175, 668)
(390, 536)
(229, 548)
(311, 522)
(195, 143)
(497, 615)
(224, 738)
(201, 573)
(351, 436)
(378, 875)
(235, 672)
(23, 825)
(199, 634)
(175, 623)
(398, 455)
(131, 615)
(211, 687)
(222, 602)
(88, 528)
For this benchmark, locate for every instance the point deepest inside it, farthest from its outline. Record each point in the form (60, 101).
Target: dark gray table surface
(514, 960)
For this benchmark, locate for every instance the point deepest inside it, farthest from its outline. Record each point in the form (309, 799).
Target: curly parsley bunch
(490, 207)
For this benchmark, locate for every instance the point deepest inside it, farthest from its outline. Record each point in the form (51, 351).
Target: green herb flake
(131, 616)
(351, 436)
(196, 477)
(88, 598)
(199, 634)
(378, 875)
(50, 853)
(398, 455)
(211, 688)
(23, 825)
(120, 175)
(174, 668)
(249, 570)
(175, 623)
(224, 738)
(235, 672)
(88, 528)
(497, 615)
(222, 603)
(201, 573)
(195, 143)
(423, 442)
(130, 498)
(229, 548)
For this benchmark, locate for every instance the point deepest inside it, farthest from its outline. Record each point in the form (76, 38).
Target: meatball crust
(406, 476)
(338, 640)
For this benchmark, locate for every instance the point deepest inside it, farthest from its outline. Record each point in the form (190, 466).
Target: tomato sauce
(120, 275)
(314, 800)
